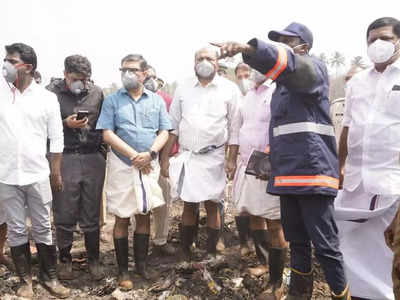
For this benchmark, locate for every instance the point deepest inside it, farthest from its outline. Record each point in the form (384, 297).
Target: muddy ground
(223, 278)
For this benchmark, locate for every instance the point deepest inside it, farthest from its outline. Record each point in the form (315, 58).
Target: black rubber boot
(65, 271)
(345, 295)
(187, 236)
(121, 253)
(301, 286)
(242, 225)
(212, 240)
(276, 261)
(48, 274)
(21, 256)
(260, 238)
(196, 231)
(141, 248)
(92, 244)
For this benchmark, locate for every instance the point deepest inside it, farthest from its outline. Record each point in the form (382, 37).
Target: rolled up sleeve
(55, 130)
(234, 118)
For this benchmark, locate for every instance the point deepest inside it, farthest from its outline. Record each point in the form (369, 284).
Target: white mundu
(371, 181)
(204, 119)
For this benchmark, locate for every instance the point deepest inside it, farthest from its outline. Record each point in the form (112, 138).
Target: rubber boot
(21, 256)
(187, 237)
(65, 271)
(345, 295)
(260, 238)
(121, 253)
(242, 225)
(141, 248)
(212, 240)
(92, 244)
(47, 271)
(276, 261)
(301, 285)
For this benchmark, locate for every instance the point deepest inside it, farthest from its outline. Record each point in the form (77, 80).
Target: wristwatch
(153, 154)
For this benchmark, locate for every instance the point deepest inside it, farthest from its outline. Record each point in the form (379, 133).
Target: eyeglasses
(131, 70)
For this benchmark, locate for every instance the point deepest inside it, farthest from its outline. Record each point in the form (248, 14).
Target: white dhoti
(196, 177)
(250, 195)
(367, 259)
(128, 191)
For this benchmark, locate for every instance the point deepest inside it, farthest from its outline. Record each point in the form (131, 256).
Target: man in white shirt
(205, 117)
(369, 158)
(29, 115)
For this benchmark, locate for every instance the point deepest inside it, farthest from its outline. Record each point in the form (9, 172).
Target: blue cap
(294, 29)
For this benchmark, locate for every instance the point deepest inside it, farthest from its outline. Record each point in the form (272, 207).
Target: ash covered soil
(225, 277)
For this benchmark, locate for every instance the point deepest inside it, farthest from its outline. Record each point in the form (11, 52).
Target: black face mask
(151, 84)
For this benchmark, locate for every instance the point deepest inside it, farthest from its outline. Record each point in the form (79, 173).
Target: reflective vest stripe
(303, 127)
(280, 64)
(307, 180)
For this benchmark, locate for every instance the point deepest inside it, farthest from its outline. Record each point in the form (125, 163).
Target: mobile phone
(82, 114)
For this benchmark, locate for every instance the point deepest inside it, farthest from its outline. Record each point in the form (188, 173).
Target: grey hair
(211, 49)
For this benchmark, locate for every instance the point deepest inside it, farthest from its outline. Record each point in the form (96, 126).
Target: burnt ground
(222, 278)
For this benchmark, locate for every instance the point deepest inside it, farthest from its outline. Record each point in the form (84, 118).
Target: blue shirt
(135, 122)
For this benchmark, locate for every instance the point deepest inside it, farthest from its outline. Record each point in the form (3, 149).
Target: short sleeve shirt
(135, 122)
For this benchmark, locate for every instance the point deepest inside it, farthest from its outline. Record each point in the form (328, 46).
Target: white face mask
(245, 85)
(10, 72)
(205, 69)
(381, 51)
(258, 77)
(306, 52)
(151, 84)
(77, 87)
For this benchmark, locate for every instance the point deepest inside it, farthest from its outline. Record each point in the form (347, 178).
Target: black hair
(78, 64)
(26, 53)
(385, 21)
(135, 57)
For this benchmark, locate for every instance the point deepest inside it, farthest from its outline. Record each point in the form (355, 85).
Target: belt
(206, 149)
(304, 127)
(80, 151)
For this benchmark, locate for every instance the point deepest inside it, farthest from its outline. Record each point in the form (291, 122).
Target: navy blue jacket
(303, 147)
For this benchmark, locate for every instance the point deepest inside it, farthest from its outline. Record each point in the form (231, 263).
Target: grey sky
(167, 33)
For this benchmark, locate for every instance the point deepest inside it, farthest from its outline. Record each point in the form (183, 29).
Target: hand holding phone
(77, 120)
(82, 114)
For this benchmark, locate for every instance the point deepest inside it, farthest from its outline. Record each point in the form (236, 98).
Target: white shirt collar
(214, 82)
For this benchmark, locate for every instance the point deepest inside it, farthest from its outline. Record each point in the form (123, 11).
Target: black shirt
(87, 139)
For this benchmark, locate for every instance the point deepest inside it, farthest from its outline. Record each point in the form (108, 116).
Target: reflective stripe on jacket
(303, 147)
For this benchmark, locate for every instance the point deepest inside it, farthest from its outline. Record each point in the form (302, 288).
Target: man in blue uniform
(303, 155)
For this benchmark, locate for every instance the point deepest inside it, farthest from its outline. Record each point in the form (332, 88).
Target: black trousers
(79, 202)
(306, 219)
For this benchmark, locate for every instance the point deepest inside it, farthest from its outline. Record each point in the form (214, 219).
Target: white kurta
(203, 117)
(249, 193)
(372, 180)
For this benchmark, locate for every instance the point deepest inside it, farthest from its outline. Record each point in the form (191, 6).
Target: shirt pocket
(150, 118)
(392, 106)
